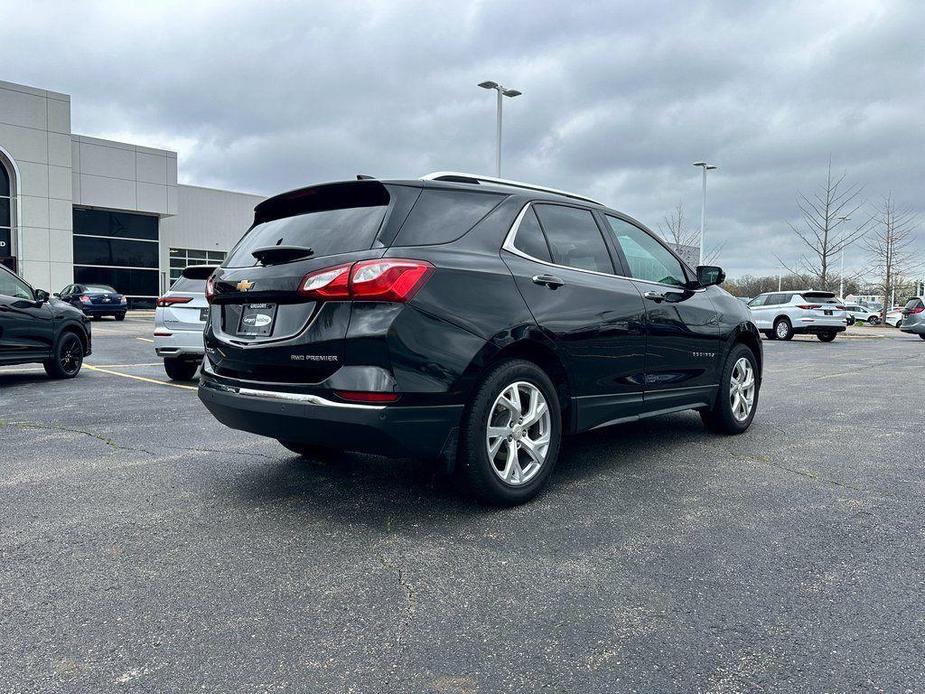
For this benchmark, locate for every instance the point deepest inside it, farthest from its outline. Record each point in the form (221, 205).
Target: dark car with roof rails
(35, 327)
(466, 319)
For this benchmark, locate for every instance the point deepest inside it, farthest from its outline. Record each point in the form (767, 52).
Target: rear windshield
(913, 303)
(328, 219)
(185, 284)
(820, 297)
(99, 289)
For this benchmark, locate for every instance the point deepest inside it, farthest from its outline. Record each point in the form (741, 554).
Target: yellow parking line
(138, 378)
(144, 339)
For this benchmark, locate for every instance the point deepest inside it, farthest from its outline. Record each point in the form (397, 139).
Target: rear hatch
(264, 329)
(823, 306)
(914, 311)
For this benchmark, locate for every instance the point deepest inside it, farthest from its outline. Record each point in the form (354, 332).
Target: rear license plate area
(203, 315)
(828, 313)
(257, 320)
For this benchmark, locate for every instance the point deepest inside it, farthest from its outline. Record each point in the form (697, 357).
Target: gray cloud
(619, 98)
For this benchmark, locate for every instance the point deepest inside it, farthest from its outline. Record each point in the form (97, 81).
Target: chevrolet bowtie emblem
(244, 285)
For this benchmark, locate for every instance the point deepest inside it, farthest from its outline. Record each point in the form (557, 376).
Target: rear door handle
(657, 297)
(550, 281)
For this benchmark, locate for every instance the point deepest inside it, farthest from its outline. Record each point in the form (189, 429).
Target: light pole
(502, 91)
(703, 208)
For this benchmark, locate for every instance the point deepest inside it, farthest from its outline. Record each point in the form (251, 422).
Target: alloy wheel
(742, 389)
(517, 437)
(782, 329)
(71, 355)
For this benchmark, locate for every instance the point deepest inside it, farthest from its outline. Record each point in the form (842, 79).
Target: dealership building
(75, 208)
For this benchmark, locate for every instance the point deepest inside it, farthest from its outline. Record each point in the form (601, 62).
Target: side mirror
(708, 275)
(41, 296)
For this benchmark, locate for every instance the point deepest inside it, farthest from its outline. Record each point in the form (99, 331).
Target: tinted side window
(758, 301)
(574, 238)
(647, 258)
(10, 285)
(530, 238)
(441, 216)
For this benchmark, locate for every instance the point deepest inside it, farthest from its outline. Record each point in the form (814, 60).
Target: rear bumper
(103, 309)
(810, 326)
(184, 344)
(391, 430)
(917, 328)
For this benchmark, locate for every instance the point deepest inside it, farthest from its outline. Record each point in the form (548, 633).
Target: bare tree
(674, 230)
(824, 229)
(891, 247)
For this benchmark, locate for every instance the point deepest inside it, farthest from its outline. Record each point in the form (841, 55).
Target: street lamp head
(708, 167)
(511, 92)
(488, 85)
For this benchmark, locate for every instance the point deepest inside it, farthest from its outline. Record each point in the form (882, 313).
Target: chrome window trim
(509, 246)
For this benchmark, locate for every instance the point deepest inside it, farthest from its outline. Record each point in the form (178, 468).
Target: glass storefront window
(181, 257)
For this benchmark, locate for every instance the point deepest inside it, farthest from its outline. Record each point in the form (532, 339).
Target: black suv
(465, 318)
(35, 328)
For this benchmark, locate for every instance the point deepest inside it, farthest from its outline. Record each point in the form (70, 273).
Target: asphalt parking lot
(144, 547)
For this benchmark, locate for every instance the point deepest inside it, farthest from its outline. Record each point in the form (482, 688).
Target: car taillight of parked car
(165, 301)
(386, 279)
(917, 309)
(84, 299)
(210, 289)
(807, 307)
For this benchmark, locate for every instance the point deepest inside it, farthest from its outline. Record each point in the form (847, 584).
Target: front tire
(510, 435)
(782, 329)
(180, 369)
(120, 316)
(737, 399)
(68, 357)
(826, 337)
(922, 336)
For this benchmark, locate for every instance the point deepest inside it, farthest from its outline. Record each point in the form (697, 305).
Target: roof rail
(457, 177)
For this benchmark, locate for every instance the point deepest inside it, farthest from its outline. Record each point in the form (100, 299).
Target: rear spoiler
(327, 196)
(198, 272)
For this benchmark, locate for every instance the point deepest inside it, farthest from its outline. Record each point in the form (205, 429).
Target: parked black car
(36, 328)
(466, 318)
(95, 300)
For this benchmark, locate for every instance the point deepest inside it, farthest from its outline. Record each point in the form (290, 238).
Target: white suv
(781, 315)
(179, 320)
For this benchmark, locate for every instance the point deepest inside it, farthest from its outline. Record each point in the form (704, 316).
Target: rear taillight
(365, 396)
(210, 289)
(386, 279)
(917, 309)
(171, 300)
(808, 307)
(84, 299)
(330, 283)
(840, 308)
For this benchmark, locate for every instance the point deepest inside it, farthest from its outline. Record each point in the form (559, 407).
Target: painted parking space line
(144, 339)
(138, 378)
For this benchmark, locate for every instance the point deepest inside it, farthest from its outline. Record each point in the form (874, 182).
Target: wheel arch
(747, 334)
(78, 330)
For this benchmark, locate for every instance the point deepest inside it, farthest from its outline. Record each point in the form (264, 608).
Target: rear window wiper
(281, 254)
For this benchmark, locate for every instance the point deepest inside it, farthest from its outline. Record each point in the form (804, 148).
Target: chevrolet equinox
(467, 319)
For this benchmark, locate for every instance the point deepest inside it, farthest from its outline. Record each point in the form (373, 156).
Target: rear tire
(510, 398)
(180, 369)
(873, 320)
(720, 418)
(68, 357)
(826, 337)
(783, 330)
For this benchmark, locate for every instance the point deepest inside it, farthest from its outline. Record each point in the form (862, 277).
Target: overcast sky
(619, 98)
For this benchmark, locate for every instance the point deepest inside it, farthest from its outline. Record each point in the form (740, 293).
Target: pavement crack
(408, 590)
(216, 450)
(803, 473)
(50, 427)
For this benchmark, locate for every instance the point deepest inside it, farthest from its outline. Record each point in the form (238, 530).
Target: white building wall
(209, 220)
(120, 176)
(35, 133)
